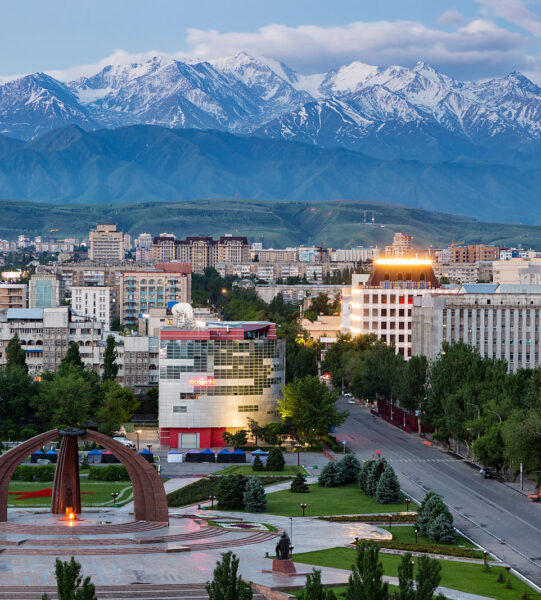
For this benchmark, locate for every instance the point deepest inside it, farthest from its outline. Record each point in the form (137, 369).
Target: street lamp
(212, 498)
(138, 433)
(416, 529)
(478, 409)
(115, 496)
(298, 446)
(390, 520)
(495, 413)
(407, 504)
(303, 506)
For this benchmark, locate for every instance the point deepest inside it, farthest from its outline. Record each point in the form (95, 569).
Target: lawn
(344, 500)
(465, 577)
(247, 470)
(406, 533)
(99, 493)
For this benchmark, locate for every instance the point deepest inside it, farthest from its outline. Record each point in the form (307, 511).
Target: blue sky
(469, 39)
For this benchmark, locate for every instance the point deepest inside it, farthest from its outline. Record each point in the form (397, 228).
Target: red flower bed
(44, 493)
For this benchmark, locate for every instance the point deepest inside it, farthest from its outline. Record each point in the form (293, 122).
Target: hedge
(108, 473)
(31, 473)
(397, 517)
(431, 549)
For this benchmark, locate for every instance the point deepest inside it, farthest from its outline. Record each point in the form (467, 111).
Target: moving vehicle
(124, 441)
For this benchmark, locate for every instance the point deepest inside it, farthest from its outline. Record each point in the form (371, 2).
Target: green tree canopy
(15, 355)
(118, 406)
(110, 367)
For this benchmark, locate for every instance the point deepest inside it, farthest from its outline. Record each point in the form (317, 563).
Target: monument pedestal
(284, 566)
(66, 489)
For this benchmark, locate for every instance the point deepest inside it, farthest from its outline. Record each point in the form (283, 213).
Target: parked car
(124, 441)
(348, 395)
(352, 401)
(487, 473)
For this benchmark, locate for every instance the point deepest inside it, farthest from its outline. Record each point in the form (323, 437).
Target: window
(180, 409)
(248, 408)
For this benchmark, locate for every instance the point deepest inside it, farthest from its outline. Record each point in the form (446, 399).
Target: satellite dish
(182, 313)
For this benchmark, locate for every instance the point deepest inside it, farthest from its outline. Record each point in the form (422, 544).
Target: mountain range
(386, 113)
(150, 163)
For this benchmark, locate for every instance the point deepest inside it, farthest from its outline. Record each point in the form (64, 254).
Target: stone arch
(11, 459)
(149, 498)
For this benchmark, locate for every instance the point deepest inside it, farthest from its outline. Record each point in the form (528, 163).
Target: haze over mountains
(411, 136)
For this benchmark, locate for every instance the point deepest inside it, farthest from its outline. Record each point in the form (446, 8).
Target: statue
(283, 547)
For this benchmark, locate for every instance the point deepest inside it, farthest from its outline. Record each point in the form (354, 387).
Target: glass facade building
(212, 379)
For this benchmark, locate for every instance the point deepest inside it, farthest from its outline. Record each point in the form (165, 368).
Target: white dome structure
(183, 314)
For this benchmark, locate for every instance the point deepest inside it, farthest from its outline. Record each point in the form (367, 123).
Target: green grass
(465, 577)
(100, 496)
(343, 500)
(406, 533)
(249, 472)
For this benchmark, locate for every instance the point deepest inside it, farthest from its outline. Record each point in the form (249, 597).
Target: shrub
(314, 590)
(225, 584)
(108, 473)
(275, 460)
(258, 465)
(331, 475)
(30, 473)
(299, 485)
(254, 497)
(85, 464)
(230, 493)
(350, 468)
(430, 501)
(441, 529)
(388, 488)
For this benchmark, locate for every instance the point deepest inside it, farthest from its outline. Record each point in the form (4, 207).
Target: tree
(406, 587)
(366, 579)
(230, 492)
(237, 439)
(310, 407)
(258, 465)
(118, 406)
(306, 362)
(428, 577)
(226, 584)
(373, 475)
(116, 324)
(254, 496)
(17, 389)
(413, 384)
(350, 468)
(255, 429)
(313, 588)
(388, 487)
(489, 448)
(441, 529)
(275, 460)
(72, 359)
(70, 584)
(331, 475)
(15, 355)
(65, 400)
(272, 433)
(299, 485)
(363, 473)
(110, 368)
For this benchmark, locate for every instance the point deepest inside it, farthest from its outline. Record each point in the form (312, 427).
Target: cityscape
(270, 301)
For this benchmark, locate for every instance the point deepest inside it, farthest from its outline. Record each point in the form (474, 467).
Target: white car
(352, 401)
(348, 395)
(124, 441)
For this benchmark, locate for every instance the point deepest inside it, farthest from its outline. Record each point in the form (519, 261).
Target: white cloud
(451, 17)
(515, 12)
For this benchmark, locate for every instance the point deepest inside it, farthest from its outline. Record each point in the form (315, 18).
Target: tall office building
(402, 246)
(106, 244)
(44, 291)
(93, 302)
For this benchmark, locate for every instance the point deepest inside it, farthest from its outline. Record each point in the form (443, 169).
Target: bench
(535, 497)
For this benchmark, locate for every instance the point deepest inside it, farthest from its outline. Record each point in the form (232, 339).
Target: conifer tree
(314, 590)
(226, 584)
(15, 355)
(110, 367)
(373, 476)
(366, 579)
(441, 529)
(406, 587)
(428, 577)
(254, 496)
(350, 467)
(258, 465)
(388, 487)
(72, 359)
(299, 485)
(230, 493)
(70, 584)
(331, 475)
(363, 473)
(275, 460)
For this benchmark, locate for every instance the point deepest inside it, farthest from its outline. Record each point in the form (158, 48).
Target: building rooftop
(478, 288)
(35, 314)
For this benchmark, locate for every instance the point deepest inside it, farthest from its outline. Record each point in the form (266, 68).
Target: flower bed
(397, 518)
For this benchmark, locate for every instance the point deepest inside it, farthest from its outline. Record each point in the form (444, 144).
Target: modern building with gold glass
(381, 303)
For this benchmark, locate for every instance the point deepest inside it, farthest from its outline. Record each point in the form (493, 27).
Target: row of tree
(462, 396)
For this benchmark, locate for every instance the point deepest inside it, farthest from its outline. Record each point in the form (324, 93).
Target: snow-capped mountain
(392, 112)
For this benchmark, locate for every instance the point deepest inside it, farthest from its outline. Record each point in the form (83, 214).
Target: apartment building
(297, 293)
(201, 251)
(93, 302)
(474, 253)
(107, 244)
(401, 247)
(517, 271)
(145, 289)
(12, 295)
(382, 302)
(501, 321)
(355, 255)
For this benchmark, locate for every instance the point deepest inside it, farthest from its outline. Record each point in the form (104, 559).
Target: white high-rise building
(94, 302)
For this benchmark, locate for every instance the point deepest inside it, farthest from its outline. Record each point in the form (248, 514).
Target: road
(497, 517)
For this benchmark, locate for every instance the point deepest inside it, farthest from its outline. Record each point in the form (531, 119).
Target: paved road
(499, 518)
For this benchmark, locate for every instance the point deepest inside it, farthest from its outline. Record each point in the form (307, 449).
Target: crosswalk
(433, 460)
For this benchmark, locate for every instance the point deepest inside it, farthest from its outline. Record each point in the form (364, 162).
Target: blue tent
(174, 451)
(225, 456)
(94, 456)
(192, 456)
(94, 452)
(174, 456)
(262, 455)
(38, 454)
(147, 455)
(207, 455)
(51, 455)
(239, 456)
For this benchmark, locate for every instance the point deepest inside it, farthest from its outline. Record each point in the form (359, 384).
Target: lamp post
(407, 504)
(390, 521)
(114, 496)
(212, 498)
(298, 446)
(303, 506)
(416, 529)
(291, 528)
(138, 433)
(495, 413)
